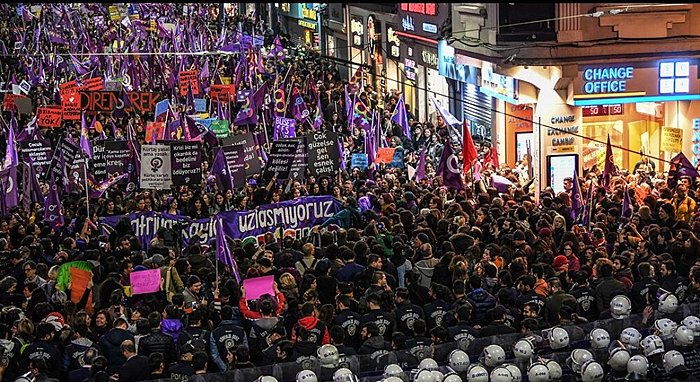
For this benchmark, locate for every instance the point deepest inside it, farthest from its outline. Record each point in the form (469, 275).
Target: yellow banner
(671, 139)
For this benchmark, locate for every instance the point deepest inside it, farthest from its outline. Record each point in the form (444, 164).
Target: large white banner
(156, 171)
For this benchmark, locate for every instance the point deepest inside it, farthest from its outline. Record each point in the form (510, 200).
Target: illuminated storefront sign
(306, 24)
(654, 81)
(357, 28)
(407, 24)
(428, 9)
(607, 80)
(393, 42)
(499, 86)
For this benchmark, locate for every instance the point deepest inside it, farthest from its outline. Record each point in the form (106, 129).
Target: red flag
(469, 153)
(492, 156)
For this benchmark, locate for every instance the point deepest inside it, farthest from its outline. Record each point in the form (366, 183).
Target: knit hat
(559, 261)
(423, 237)
(545, 232)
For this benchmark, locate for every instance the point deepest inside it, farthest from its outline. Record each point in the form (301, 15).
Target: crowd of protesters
(405, 265)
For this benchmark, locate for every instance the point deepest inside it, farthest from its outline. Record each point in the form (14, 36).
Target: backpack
(309, 269)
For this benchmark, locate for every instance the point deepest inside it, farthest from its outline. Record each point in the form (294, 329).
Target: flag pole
(87, 191)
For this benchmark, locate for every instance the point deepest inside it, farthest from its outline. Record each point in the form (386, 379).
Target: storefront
(393, 59)
(300, 20)
(648, 107)
(474, 106)
(419, 31)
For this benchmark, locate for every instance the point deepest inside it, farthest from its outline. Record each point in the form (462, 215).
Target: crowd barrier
(368, 370)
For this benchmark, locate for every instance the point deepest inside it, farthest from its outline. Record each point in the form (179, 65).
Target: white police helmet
(693, 323)
(306, 376)
(538, 372)
(424, 375)
(620, 307)
(501, 374)
(452, 378)
(555, 371)
(638, 364)
(266, 378)
(652, 345)
(631, 337)
(437, 375)
(393, 379)
(665, 328)
(683, 336)
(668, 303)
(592, 371)
(459, 360)
(524, 349)
(577, 358)
(428, 364)
(493, 355)
(328, 355)
(600, 338)
(393, 370)
(343, 375)
(477, 373)
(673, 359)
(558, 338)
(515, 372)
(619, 357)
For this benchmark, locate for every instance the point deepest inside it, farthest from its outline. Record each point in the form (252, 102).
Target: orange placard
(93, 84)
(189, 78)
(9, 102)
(223, 93)
(385, 155)
(79, 279)
(157, 128)
(49, 116)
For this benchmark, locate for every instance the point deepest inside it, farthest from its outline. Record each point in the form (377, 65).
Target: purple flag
(609, 168)
(680, 166)
(318, 116)
(259, 96)
(11, 151)
(341, 154)
(348, 106)
(576, 197)
(299, 110)
(400, 117)
(79, 68)
(222, 172)
(247, 115)
(449, 169)
(501, 183)
(96, 190)
(420, 171)
(223, 252)
(8, 182)
(53, 210)
(31, 193)
(84, 140)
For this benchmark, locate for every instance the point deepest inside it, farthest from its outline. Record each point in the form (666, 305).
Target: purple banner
(297, 217)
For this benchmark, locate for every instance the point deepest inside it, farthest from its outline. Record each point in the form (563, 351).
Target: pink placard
(147, 281)
(258, 286)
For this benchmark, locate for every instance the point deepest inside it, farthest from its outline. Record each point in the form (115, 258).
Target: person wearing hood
(318, 332)
(171, 324)
(261, 329)
(372, 342)
(227, 335)
(110, 344)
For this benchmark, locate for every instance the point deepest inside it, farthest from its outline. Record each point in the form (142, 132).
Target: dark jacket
(405, 314)
(135, 369)
(483, 301)
(109, 346)
(496, 328)
(373, 345)
(606, 289)
(157, 342)
(41, 349)
(553, 304)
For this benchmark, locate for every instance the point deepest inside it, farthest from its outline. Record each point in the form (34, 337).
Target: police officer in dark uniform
(643, 291)
(384, 320)
(226, 336)
(436, 310)
(44, 348)
(526, 285)
(462, 332)
(182, 369)
(350, 321)
(585, 297)
(418, 344)
(672, 282)
(406, 313)
(195, 335)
